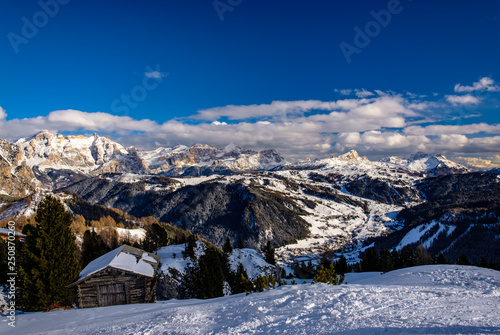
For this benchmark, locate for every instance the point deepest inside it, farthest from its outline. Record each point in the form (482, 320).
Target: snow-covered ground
(435, 299)
(253, 262)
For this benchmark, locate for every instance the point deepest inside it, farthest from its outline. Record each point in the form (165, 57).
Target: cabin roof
(125, 258)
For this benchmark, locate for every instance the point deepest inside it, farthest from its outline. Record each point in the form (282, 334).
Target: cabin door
(112, 294)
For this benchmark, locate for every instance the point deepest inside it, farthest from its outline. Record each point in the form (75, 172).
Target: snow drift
(434, 299)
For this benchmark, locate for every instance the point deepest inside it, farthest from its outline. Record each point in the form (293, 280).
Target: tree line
(385, 260)
(50, 259)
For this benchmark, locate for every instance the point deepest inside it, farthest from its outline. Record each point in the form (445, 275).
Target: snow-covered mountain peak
(432, 164)
(350, 156)
(172, 161)
(52, 150)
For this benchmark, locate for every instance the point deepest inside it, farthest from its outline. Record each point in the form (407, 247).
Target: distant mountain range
(339, 204)
(96, 155)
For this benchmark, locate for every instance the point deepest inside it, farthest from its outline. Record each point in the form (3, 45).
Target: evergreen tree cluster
(212, 273)
(328, 275)
(156, 237)
(47, 264)
(189, 251)
(306, 270)
(385, 260)
(269, 253)
(206, 279)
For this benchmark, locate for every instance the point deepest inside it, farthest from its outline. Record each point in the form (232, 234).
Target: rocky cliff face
(206, 159)
(94, 154)
(16, 178)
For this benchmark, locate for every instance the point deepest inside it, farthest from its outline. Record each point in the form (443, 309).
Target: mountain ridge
(335, 204)
(99, 154)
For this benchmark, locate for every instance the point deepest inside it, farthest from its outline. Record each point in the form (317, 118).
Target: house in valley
(125, 275)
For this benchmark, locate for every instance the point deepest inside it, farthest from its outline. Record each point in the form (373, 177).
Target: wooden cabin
(126, 275)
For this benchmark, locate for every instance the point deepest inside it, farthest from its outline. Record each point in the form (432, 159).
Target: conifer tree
(341, 266)
(209, 277)
(227, 248)
(385, 263)
(328, 275)
(269, 253)
(205, 280)
(93, 246)
(242, 284)
(395, 259)
(463, 260)
(421, 256)
(49, 263)
(370, 260)
(187, 286)
(261, 283)
(190, 246)
(325, 261)
(156, 237)
(441, 259)
(406, 257)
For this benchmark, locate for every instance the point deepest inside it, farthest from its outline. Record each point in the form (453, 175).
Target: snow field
(444, 299)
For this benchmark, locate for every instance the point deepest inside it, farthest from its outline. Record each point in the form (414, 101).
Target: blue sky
(160, 73)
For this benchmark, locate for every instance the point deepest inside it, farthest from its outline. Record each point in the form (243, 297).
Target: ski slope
(434, 299)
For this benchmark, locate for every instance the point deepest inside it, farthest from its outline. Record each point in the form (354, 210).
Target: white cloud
(345, 91)
(376, 125)
(154, 74)
(363, 93)
(424, 105)
(484, 84)
(433, 130)
(487, 163)
(383, 107)
(74, 120)
(3, 114)
(462, 99)
(276, 108)
(349, 138)
(217, 123)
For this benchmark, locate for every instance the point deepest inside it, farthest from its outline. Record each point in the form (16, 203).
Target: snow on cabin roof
(125, 258)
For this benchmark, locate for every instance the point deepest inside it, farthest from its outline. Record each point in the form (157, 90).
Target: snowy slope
(171, 257)
(443, 299)
(433, 164)
(253, 262)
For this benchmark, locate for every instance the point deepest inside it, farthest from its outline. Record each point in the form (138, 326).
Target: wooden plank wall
(98, 290)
